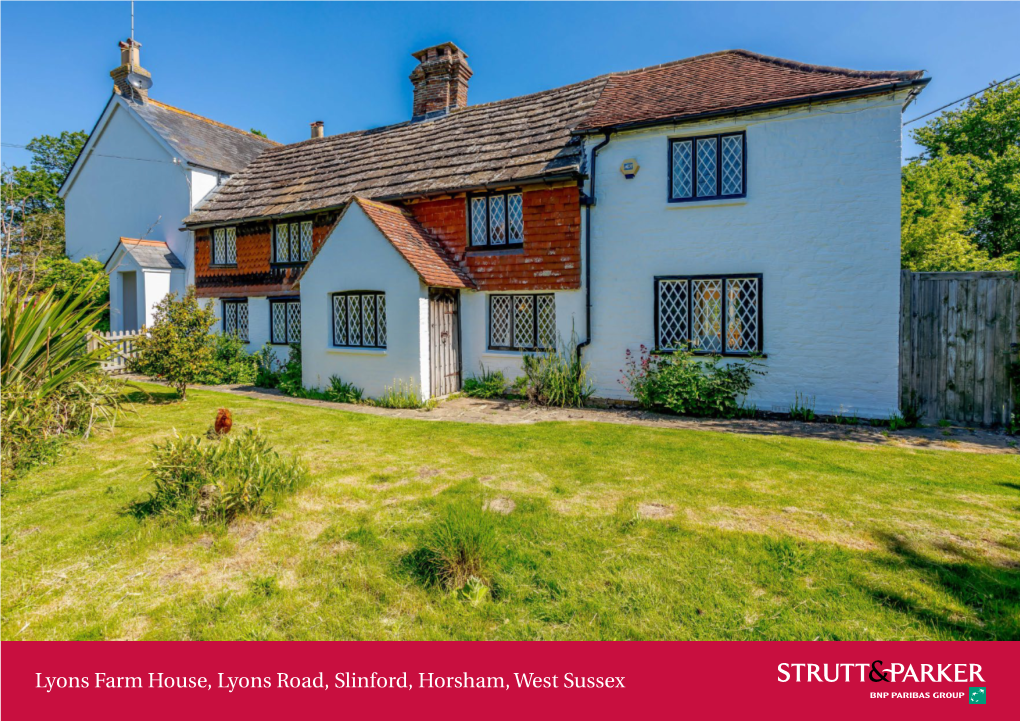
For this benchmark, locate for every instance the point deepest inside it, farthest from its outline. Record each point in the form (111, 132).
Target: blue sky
(279, 66)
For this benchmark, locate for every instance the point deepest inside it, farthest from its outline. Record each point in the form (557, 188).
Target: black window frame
(286, 316)
(723, 329)
(221, 263)
(488, 245)
(224, 302)
(332, 319)
(693, 139)
(274, 260)
(513, 320)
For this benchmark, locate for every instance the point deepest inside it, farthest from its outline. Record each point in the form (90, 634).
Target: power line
(961, 99)
(102, 155)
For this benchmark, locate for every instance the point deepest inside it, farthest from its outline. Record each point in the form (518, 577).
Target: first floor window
(359, 319)
(709, 314)
(522, 322)
(707, 167)
(235, 318)
(285, 321)
(496, 220)
(293, 242)
(224, 246)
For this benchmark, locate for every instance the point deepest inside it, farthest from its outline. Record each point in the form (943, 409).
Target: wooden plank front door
(444, 340)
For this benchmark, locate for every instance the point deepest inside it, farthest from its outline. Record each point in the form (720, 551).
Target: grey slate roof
(151, 254)
(521, 138)
(199, 140)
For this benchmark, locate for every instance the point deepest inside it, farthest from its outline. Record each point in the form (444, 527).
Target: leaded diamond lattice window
(284, 321)
(283, 243)
(496, 220)
(707, 167)
(293, 242)
(359, 319)
(479, 222)
(683, 169)
(709, 314)
(522, 322)
(732, 181)
(224, 246)
(515, 217)
(235, 318)
(674, 328)
(219, 249)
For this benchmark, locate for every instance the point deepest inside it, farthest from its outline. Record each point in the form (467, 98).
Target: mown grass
(619, 532)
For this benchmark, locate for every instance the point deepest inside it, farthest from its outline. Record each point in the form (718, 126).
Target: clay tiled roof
(526, 138)
(521, 138)
(421, 250)
(150, 253)
(723, 82)
(200, 140)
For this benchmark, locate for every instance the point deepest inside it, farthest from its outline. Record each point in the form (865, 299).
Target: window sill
(509, 249)
(288, 264)
(218, 266)
(675, 204)
(707, 354)
(355, 350)
(510, 353)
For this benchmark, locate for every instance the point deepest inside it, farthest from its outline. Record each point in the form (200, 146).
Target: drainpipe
(589, 201)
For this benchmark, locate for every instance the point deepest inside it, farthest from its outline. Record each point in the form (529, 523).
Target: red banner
(194, 681)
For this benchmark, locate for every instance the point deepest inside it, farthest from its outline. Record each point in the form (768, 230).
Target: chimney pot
(318, 129)
(440, 80)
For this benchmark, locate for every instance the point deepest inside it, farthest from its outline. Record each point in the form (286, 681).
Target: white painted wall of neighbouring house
(111, 197)
(820, 221)
(356, 256)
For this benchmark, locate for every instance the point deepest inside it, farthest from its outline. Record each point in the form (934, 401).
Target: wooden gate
(958, 335)
(444, 340)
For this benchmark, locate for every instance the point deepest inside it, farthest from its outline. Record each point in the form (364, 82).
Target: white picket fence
(123, 342)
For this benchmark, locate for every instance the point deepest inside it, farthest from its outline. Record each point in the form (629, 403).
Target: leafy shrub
(803, 408)
(178, 347)
(690, 385)
(459, 546)
(219, 480)
(51, 383)
(230, 362)
(35, 426)
(488, 384)
(556, 378)
(289, 380)
(403, 395)
(341, 392)
(912, 411)
(267, 373)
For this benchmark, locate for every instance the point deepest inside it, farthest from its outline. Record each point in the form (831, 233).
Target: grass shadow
(990, 594)
(152, 398)
(1007, 484)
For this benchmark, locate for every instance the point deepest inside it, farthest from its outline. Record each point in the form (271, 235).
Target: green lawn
(769, 537)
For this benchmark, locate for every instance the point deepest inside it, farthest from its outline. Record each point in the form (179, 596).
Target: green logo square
(977, 694)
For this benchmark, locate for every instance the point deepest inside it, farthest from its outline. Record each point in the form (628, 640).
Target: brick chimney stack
(440, 80)
(129, 63)
(318, 129)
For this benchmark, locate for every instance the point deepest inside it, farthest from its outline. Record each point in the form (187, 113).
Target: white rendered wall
(356, 256)
(474, 330)
(820, 221)
(113, 197)
(153, 285)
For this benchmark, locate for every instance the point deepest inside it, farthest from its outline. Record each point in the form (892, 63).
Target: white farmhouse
(146, 166)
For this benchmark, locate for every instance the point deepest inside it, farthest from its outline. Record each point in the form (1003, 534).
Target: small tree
(178, 347)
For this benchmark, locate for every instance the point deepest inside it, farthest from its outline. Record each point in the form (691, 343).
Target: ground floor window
(719, 314)
(235, 317)
(359, 319)
(522, 322)
(284, 321)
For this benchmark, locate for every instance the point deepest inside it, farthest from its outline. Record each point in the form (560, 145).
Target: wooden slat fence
(958, 335)
(123, 342)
